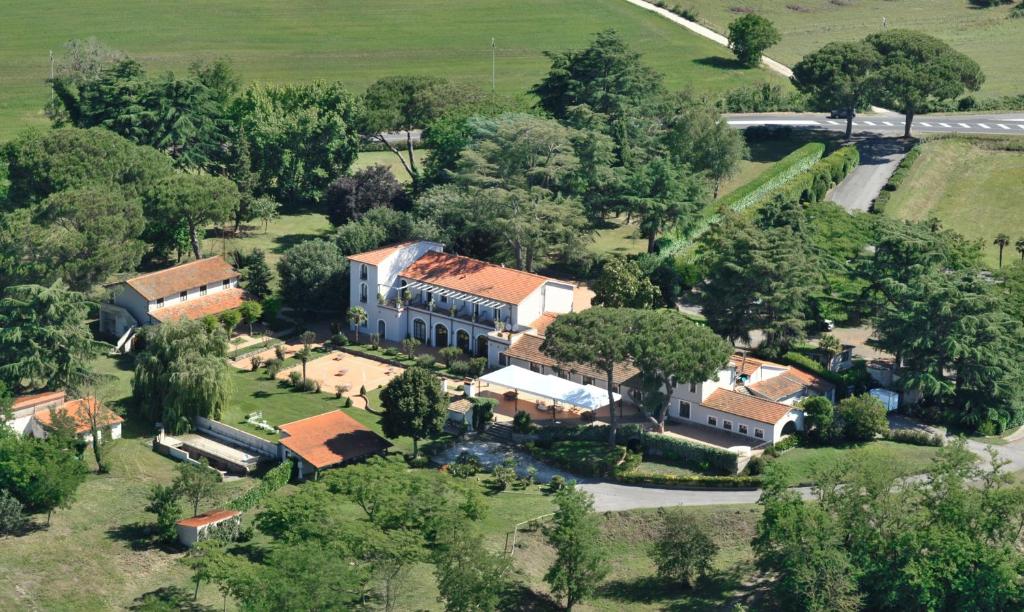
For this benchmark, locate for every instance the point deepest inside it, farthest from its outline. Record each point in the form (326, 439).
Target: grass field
(803, 464)
(986, 35)
(280, 235)
(973, 190)
(353, 41)
(387, 158)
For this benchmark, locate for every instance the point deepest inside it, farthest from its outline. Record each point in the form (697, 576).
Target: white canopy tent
(585, 397)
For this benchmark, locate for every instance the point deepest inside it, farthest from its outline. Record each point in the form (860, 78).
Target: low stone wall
(259, 446)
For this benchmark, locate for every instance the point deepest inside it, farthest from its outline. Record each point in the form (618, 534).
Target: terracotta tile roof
(473, 276)
(331, 438)
(746, 406)
(180, 278)
(208, 518)
(37, 399)
(790, 382)
(527, 348)
(461, 405)
(542, 322)
(198, 307)
(746, 366)
(76, 410)
(378, 255)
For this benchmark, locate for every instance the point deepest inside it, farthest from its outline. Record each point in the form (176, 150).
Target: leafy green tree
(664, 197)
(164, 502)
(90, 234)
(750, 36)
(696, 135)
(683, 552)
(300, 137)
(41, 474)
(45, 342)
(82, 61)
(404, 104)
(862, 417)
(607, 76)
(600, 337)
(256, 276)
(469, 577)
(181, 373)
(349, 197)
(838, 75)
(230, 320)
(250, 311)
(449, 354)
(196, 483)
(1019, 246)
(1001, 241)
(802, 545)
(580, 562)
(357, 317)
(196, 200)
(622, 284)
(670, 349)
(305, 354)
(11, 518)
(311, 274)
(918, 69)
(819, 414)
(413, 405)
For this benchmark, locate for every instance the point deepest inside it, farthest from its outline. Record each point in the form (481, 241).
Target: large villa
(416, 290)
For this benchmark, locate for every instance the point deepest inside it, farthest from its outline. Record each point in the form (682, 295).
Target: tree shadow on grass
(140, 537)
(168, 598)
(283, 243)
(522, 598)
(722, 63)
(712, 592)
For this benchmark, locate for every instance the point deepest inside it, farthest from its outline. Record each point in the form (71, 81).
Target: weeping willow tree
(181, 373)
(45, 342)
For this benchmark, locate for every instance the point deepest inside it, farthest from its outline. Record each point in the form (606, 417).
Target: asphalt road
(878, 160)
(890, 124)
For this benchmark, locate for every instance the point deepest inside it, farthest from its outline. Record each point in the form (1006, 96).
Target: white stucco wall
(557, 297)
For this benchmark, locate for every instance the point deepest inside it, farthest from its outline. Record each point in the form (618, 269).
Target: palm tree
(304, 355)
(830, 346)
(1020, 248)
(1001, 241)
(357, 317)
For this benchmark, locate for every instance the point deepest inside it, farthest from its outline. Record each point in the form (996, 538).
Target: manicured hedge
(896, 179)
(690, 455)
(273, 480)
(683, 482)
(585, 457)
(253, 349)
(773, 178)
(915, 437)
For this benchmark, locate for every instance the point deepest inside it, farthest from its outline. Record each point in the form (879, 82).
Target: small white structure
(192, 530)
(560, 390)
(33, 416)
(890, 399)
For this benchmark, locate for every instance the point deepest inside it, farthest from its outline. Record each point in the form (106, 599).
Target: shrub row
(915, 437)
(586, 458)
(755, 192)
(683, 482)
(254, 349)
(690, 455)
(682, 11)
(273, 480)
(898, 175)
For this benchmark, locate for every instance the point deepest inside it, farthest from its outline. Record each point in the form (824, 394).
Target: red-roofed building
(34, 414)
(415, 289)
(191, 290)
(329, 440)
(192, 530)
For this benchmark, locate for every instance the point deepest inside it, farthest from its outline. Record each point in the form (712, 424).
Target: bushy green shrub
(255, 362)
(426, 361)
(466, 466)
(459, 368)
(339, 340)
(557, 483)
(691, 455)
(295, 378)
(915, 437)
(273, 480)
(483, 411)
(521, 422)
(683, 482)
(862, 418)
(755, 467)
(583, 457)
(897, 177)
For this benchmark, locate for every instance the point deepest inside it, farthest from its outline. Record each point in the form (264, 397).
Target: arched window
(362, 272)
(440, 336)
(481, 346)
(462, 340)
(362, 293)
(419, 330)
(381, 329)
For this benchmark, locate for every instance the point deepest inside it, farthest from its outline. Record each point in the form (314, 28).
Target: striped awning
(457, 295)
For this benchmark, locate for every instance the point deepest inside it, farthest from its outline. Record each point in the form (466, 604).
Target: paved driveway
(878, 160)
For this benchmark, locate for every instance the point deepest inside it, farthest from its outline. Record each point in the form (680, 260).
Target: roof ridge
(314, 416)
(176, 266)
(486, 263)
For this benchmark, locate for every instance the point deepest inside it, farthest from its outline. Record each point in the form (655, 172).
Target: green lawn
(281, 234)
(973, 190)
(652, 467)
(804, 464)
(387, 158)
(618, 238)
(763, 153)
(986, 35)
(353, 41)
